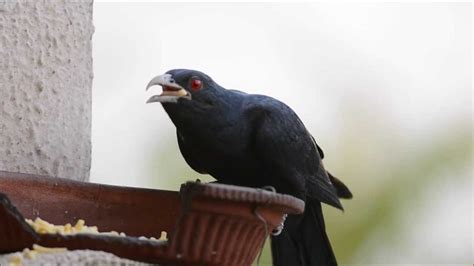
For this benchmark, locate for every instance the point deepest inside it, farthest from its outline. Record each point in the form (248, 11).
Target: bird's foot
(279, 228)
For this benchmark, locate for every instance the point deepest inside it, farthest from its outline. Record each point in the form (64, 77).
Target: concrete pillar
(45, 95)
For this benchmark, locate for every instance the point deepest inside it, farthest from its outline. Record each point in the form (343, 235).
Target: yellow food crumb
(30, 254)
(163, 236)
(18, 259)
(79, 224)
(15, 260)
(42, 249)
(43, 227)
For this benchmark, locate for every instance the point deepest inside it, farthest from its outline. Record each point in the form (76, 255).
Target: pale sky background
(407, 65)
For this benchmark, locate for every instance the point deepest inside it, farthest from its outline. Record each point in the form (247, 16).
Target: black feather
(342, 190)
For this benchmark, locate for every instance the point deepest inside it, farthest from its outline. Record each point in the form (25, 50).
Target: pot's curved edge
(286, 203)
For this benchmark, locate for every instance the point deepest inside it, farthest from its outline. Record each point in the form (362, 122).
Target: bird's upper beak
(172, 91)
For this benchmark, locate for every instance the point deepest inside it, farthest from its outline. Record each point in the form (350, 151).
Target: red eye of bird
(196, 84)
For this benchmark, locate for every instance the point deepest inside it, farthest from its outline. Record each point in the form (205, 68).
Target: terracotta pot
(207, 224)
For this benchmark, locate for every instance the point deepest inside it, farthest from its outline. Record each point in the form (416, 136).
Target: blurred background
(386, 90)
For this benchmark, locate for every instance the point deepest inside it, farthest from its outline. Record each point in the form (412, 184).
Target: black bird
(254, 141)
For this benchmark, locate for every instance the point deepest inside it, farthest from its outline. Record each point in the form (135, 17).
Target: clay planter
(207, 224)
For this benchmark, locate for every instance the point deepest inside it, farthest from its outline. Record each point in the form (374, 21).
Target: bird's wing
(342, 190)
(189, 153)
(320, 151)
(286, 149)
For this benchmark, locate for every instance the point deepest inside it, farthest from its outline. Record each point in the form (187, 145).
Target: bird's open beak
(172, 91)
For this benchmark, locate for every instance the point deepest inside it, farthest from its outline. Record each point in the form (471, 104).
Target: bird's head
(183, 86)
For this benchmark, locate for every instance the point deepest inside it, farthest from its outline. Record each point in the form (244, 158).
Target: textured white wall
(46, 78)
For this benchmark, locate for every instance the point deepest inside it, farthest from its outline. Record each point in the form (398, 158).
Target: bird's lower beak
(172, 91)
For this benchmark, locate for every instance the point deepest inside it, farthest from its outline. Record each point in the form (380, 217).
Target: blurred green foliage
(376, 207)
(380, 191)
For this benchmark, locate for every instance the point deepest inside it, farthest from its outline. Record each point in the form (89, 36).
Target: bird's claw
(277, 231)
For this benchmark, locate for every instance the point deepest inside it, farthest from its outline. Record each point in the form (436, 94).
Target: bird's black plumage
(255, 141)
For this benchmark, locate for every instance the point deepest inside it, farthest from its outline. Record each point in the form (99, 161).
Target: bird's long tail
(304, 240)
